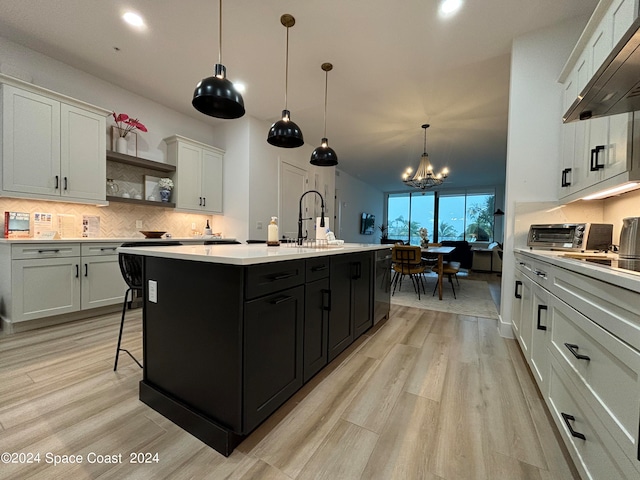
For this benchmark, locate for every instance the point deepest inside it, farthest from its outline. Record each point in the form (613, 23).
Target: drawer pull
(573, 349)
(319, 268)
(77, 271)
(51, 250)
(540, 273)
(540, 308)
(113, 249)
(518, 284)
(570, 418)
(282, 276)
(281, 300)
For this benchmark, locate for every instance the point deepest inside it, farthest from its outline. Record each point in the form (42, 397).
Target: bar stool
(131, 269)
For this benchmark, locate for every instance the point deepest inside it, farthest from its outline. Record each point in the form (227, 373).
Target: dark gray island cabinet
(226, 344)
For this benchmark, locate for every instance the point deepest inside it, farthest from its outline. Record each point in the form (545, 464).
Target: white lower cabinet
(45, 287)
(60, 278)
(102, 282)
(541, 332)
(588, 441)
(588, 374)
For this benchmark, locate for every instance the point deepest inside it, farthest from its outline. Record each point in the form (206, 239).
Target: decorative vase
(121, 145)
(164, 195)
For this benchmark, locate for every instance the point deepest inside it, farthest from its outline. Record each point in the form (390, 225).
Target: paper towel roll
(321, 232)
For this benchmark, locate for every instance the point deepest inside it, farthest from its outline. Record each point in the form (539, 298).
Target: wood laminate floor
(424, 395)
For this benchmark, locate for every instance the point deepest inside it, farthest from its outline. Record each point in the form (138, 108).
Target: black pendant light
(216, 96)
(324, 155)
(285, 133)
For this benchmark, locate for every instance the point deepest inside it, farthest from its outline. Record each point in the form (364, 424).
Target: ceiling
(397, 65)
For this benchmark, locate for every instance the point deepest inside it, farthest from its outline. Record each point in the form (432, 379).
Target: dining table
(441, 252)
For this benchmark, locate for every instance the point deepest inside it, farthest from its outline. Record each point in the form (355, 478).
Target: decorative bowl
(152, 233)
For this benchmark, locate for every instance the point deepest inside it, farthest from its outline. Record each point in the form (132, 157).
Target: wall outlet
(193, 225)
(259, 225)
(138, 223)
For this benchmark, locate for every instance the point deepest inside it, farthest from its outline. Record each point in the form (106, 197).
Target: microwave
(571, 236)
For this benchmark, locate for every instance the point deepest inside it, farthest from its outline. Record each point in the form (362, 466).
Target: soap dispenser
(207, 229)
(272, 233)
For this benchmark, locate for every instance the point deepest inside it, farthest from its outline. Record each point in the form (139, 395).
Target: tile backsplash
(118, 220)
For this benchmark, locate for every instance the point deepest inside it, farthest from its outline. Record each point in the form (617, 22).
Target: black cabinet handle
(77, 271)
(110, 248)
(65, 183)
(86, 269)
(281, 300)
(200, 201)
(540, 273)
(282, 276)
(565, 183)
(57, 182)
(540, 308)
(326, 295)
(518, 284)
(204, 201)
(319, 268)
(595, 166)
(358, 273)
(570, 418)
(574, 350)
(50, 250)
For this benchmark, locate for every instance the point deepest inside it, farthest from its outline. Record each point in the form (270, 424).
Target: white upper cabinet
(53, 147)
(198, 177)
(596, 153)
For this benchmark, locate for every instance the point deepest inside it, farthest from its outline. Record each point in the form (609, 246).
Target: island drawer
(273, 277)
(44, 250)
(317, 268)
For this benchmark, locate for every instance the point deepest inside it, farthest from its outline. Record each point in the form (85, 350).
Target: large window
(407, 213)
(459, 216)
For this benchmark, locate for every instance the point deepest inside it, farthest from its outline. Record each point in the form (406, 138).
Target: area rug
(473, 298)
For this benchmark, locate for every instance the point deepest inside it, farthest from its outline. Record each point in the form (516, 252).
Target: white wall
(356, 197)
(533, 141)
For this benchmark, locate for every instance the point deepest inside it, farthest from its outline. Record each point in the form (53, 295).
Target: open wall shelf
(139, 162)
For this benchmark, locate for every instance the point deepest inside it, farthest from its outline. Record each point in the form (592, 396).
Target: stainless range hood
(615, 87)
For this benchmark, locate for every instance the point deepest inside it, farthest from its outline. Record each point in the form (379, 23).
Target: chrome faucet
(300, 237)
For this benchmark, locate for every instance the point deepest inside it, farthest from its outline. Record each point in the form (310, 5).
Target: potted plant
(165, 185)
(383, 232)
(125, 125)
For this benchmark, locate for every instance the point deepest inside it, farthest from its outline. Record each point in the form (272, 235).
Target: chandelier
(424, 177)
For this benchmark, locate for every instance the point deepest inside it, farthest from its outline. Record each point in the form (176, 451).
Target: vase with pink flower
(124, 126)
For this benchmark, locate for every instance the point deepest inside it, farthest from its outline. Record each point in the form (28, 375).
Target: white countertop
(108, 240)
(620, 277)
(247, 254)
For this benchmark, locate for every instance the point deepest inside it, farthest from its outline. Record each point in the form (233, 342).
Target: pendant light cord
(326, 82)
(220, 33)
(286, 71)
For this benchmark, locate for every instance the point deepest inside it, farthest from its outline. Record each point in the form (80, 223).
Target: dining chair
(407, 260)
(450, 269)
(131, 269)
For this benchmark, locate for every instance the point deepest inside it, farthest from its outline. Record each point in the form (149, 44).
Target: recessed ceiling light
(450, 7)
(133, 19)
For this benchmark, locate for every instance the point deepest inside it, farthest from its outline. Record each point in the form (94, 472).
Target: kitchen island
(230, 332)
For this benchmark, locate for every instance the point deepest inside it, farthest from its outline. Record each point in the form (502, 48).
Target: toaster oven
(571, 236)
